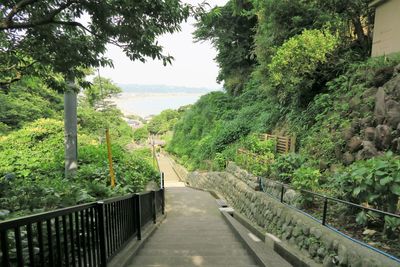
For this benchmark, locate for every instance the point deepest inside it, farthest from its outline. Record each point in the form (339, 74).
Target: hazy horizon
(193, 64)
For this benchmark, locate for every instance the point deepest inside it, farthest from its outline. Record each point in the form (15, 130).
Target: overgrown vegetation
(308, 75)
(32, 154)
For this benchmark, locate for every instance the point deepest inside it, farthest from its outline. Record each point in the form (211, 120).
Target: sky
(193, 64)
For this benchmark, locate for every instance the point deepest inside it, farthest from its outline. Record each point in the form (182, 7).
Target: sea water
(146, 104)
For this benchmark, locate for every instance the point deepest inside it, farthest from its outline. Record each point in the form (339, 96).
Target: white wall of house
(386, 38)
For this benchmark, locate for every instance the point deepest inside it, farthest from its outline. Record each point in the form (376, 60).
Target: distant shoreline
(143, 89)
(160, 95)
(150, 103)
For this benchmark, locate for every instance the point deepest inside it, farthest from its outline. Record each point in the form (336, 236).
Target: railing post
(154, 206)
(282, 192)
(138, 216)
(4, 249)
(325, 210)
(102, 234)
(162, 180)
(163, 201)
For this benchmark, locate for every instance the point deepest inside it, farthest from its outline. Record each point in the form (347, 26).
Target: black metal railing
(340, 215)
(83, 235)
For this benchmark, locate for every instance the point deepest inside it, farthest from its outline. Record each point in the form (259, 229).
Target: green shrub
(375, 182)
(231, 132)
(219, 162)
(306, 178)
(285, 165)
(32, 169)
(296, 60)
(255, 144)
(164, 122)
(141, 134)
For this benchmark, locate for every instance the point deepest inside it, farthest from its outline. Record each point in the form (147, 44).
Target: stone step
(197, 237)
(190, 252)
(221, 246)
(197, 260)
(192, 265)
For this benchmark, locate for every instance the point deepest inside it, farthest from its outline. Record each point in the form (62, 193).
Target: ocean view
(145, 104)
(146, 100)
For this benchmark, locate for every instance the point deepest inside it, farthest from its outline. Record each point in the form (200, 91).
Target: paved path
(194, 232)
(170, 176)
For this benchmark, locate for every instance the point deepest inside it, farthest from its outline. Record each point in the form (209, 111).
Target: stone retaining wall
(301, 234)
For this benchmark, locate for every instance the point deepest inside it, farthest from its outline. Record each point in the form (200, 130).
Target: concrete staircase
(194, 234)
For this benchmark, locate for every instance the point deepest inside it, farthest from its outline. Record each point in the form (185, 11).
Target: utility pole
(70, 128)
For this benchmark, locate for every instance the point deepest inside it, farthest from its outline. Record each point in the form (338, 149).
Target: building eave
(377, 3)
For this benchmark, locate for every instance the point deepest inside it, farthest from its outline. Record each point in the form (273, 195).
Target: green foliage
(230, 30)
(296, 60)
(164, 122)
(94, 122)
(100, 90)
(258, 155)
(26, 101)
(37, 150)
(230, 133)
(219, 162)
(285, 165)
(141, 134)
(375, 181)
(32, 167)
(306, 178)
(35, 32)
(255, 144)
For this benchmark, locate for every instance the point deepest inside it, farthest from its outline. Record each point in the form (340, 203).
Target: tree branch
(18, 7)
(80, 25)
(46, 19)
(12, 80)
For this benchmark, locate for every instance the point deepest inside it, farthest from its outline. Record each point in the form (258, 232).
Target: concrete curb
(262, 252)
(283, 250)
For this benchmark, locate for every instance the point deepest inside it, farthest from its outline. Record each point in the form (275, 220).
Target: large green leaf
(386, 180)
(395, 189)
(356, 191)
(362, 218)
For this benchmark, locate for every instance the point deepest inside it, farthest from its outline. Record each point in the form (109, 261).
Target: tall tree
(230, 29)
(68, 36)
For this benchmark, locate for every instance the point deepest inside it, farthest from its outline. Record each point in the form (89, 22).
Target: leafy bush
(296, 60)
(375, 182)
(95, 123)
(285, 165)
(255, 144)
(26, 101)
(231, 132)
(306, 178)
(32, 169)
(219, 162)
(164, 122)
(141, 134)
(35, 150)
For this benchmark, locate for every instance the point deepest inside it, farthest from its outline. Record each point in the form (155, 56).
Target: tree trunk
(359, 31)
(70, 129)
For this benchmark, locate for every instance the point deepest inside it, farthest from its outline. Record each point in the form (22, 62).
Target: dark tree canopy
(66, 36)
(230, 29)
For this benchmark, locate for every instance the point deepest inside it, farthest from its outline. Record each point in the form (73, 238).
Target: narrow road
(194, 232)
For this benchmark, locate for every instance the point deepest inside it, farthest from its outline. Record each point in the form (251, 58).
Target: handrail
(334, 199)
(324, 220)
(86, 235)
